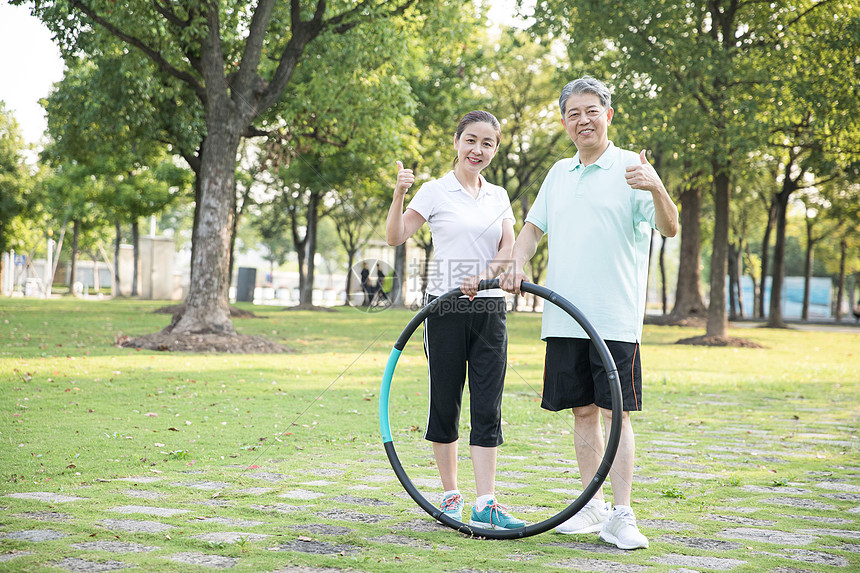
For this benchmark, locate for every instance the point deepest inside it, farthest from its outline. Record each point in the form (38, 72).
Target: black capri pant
(465, 335)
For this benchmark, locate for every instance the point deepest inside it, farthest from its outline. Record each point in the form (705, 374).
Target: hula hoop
(609, 451)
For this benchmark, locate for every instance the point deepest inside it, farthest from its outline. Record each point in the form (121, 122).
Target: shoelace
(626, 516)
(451, 502)
(498, 508)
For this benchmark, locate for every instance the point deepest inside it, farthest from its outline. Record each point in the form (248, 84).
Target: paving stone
(305, 569)
(852, 547)
(420, 526)
(409, 542)
(254, 490)
(134, 526)
(45, 496)
(345, 515)
(148, 510)
(819, 519)
(741, 520)
(213, 502)
(816, 557)
(590, 547)
(598, 565)
(316, 547)
(692, 475)
(736, 508)
(34, 535)
(839, 486)
(325, 472)
(301, 494)
(773, 489)
(362, 487)
(204, 560)
(143, 494)
(854, 510)
(231, 522)
(322, 529)
(767, 536)
(430, 483)
(205, 485)
(702, 543)
(842, 496)
(84, 566)
(362, 501)
(799, 502)
(326, 483)
(714, 563)
(115, 547)
(15, 554)
(267, 476)
(844, 533)
(665, 524)
(375, 478)
(140, 479)
(44, 515)
(279, 507)
(230, 536)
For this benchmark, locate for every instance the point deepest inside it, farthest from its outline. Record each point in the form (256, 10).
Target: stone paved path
(810, 524)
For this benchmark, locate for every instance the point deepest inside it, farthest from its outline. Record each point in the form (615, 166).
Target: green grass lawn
(722, 429)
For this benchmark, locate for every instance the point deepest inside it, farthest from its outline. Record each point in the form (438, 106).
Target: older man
(597, 209)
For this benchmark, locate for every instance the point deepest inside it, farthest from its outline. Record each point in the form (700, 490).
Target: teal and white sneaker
(495, 516)
(452, 506)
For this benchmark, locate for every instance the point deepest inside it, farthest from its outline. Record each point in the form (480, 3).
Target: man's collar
(605, 161)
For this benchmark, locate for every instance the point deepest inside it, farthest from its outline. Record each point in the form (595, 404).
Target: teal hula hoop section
(383, 394)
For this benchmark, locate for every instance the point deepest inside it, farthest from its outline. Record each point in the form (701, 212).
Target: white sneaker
(621, 530)
(589, 519)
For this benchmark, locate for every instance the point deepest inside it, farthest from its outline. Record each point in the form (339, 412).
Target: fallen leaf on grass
(303, 538)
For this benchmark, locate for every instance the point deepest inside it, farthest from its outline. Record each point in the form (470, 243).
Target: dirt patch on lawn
(203, 343)
(720, 341)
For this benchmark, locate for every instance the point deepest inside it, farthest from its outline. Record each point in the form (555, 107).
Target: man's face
(586, 121)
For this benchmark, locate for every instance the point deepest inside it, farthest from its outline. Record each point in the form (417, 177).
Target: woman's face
(476, 146)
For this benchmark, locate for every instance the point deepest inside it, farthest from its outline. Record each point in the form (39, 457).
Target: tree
(12, 175)
(523, 84)
(238, 63)
(357, 214)
(815, 132)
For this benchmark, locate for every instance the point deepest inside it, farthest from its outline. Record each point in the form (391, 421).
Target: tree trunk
(663, 291)
(73, 274)
(717, 325)
(118, 230)
(755, 284)
(840, 291)
(807, 272)
(233, 228)
(739, 273)
(765, 254)
(775, 319)
(397, 297)
(135, 241)
(207, 305)
(350, 260)
(688, 296)
(306, 291)
(733, 283)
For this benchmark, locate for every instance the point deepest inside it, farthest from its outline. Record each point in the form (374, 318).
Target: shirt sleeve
(538, 212)
(423, 202)
(508, 212)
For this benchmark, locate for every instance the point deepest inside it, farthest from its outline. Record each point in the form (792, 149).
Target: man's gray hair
(585, 85)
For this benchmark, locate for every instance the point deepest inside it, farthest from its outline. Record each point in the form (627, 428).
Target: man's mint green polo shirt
(599, 232)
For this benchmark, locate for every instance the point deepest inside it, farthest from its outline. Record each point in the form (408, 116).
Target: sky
(31, 63)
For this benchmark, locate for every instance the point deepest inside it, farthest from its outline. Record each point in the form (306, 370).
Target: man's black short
(574, 375)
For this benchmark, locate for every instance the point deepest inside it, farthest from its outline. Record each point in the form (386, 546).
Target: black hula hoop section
(611, 443)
